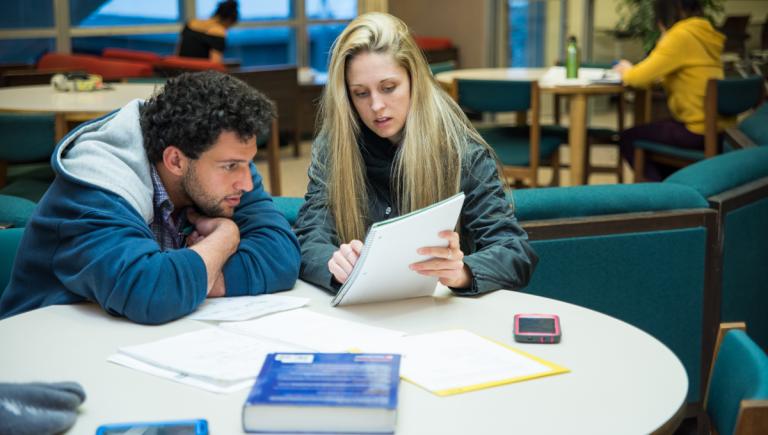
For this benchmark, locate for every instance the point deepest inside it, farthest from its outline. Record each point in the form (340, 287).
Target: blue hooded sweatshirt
(90, 240)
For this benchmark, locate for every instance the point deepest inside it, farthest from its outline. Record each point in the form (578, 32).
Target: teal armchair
(637, 252)
(752, 131)
(9, 243)
(26, 144)
(288, 206)
(737, 396)
(736, 186)
(15, 210)
(439, 67)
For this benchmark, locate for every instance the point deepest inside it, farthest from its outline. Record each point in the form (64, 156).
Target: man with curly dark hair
(156, 207)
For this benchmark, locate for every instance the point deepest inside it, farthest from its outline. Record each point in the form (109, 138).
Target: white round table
(622, 380)
(43, 98)
(79, 106)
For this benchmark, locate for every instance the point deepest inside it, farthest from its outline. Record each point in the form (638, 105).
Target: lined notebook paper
(382, 273)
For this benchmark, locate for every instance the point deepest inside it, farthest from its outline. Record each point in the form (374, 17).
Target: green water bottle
(572, 60)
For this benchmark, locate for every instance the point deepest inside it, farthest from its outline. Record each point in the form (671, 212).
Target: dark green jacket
(495, 246)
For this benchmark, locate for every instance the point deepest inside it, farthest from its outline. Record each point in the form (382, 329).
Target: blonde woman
(391, 141)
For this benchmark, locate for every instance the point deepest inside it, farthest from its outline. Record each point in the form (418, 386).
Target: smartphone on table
(537, 328)
(177, 427)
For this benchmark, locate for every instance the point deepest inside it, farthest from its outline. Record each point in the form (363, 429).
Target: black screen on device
(534, 324)
(181, 429)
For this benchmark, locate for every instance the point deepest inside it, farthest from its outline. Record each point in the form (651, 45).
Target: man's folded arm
(268, 257)
(118, 264)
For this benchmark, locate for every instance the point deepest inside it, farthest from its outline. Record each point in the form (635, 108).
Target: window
(24, 50)
(86, 13)
(250, 10)
(269, 32)
(262, 45)
(536, 32)
(321, 37)
(26, 14)
(324, 9)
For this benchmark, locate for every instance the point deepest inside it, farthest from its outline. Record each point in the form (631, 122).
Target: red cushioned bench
(170, 66)
(131, 55)
(108, 69)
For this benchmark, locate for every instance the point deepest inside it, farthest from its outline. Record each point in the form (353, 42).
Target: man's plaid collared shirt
(166, 231)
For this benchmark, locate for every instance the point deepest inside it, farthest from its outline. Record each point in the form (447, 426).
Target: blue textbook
(324, 393)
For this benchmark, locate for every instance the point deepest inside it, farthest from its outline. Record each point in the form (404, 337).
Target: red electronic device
(537, 328)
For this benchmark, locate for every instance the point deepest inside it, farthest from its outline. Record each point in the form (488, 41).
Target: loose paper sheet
(312, 330)
(210, 353)
(457, 361)
(221, 387)
(555, 76)
(245, 307)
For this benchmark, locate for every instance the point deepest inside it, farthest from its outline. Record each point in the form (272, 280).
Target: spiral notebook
(382, 273)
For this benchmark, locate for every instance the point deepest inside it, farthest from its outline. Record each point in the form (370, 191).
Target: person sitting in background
(207, 38)
(392, 141)
(156, 207)
(686, 56)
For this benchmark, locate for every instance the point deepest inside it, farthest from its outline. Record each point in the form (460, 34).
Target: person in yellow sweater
(686, 56)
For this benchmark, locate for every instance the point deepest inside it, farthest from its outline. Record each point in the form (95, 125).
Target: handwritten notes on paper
(226, 358)
(245, 307)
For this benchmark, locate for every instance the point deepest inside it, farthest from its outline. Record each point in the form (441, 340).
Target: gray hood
(109, 153)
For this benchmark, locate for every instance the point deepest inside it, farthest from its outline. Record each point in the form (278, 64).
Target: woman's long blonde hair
(427, 168)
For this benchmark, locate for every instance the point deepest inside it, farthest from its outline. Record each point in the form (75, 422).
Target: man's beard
(205, 202)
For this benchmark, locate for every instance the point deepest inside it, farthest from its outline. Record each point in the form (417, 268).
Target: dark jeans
(668, 132)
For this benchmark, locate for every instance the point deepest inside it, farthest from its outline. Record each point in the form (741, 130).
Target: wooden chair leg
(589, 168)
(3, 173)
(297, 145)
(297, 129)
(619, 167)
(555, 164)
(534, 177)
(639, 165)
(273, 160)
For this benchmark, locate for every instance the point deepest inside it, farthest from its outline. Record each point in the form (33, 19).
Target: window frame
(63, 32)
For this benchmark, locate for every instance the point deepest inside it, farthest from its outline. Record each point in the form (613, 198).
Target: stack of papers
(212, 359)
(314, 331)
(227, 358)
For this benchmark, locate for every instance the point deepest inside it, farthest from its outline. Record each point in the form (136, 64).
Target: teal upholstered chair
(9, 243)
(26, 144)
(724, 98)
(15, 210)
(637, 252)
(522, 149)
(736, 185)
(439, 67)
(288, 206)
(737, 396)
(751, 131)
